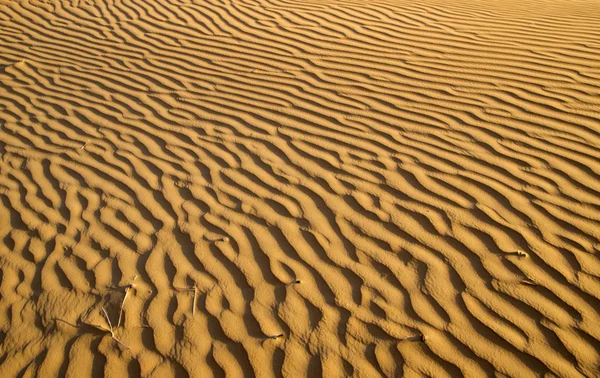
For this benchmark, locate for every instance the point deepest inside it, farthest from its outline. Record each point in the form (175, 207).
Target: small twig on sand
(83, 147)
(56, 320)
(195, 299)
(108, 320)
(102, 329)
(127, 289)
(420, 338)
(194, 288)
(110, 330)
(99, 328)
(518, 253)
(528, 282)
(123, 304)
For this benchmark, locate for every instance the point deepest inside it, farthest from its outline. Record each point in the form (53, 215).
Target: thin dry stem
(184, 288)
(420, 337)
(528, 282)
(100, 328)
(119, 341)
(108, 321)
(111, 331)
(195, 299)
(127, 289)
(518, 253)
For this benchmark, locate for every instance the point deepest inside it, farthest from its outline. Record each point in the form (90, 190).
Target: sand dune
(299, 188)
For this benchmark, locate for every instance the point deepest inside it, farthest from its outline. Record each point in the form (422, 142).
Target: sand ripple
(286, 188)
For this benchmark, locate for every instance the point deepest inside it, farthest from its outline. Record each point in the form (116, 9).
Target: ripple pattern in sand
(286, 188)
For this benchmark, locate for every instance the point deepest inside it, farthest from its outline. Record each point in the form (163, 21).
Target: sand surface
(299, 188)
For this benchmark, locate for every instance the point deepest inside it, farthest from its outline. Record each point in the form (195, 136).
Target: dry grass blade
(194, 288)
(100, 328)
(111, 331)
(518, 253)
(127, 290)
(183, 288)
(195, 299)
(108, 321)
(528, 282)
(83, 147)
(122, 305)
(420, 337)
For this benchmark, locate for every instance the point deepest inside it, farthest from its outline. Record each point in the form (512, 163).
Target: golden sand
(281, 188)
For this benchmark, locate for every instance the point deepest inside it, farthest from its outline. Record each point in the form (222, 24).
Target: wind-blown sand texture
(299, 188)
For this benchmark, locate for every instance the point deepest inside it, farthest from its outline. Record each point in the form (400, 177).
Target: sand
(282, 188)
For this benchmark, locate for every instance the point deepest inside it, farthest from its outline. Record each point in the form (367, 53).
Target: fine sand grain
(282, 188)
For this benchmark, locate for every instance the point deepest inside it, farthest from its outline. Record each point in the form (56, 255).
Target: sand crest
(299, 188)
